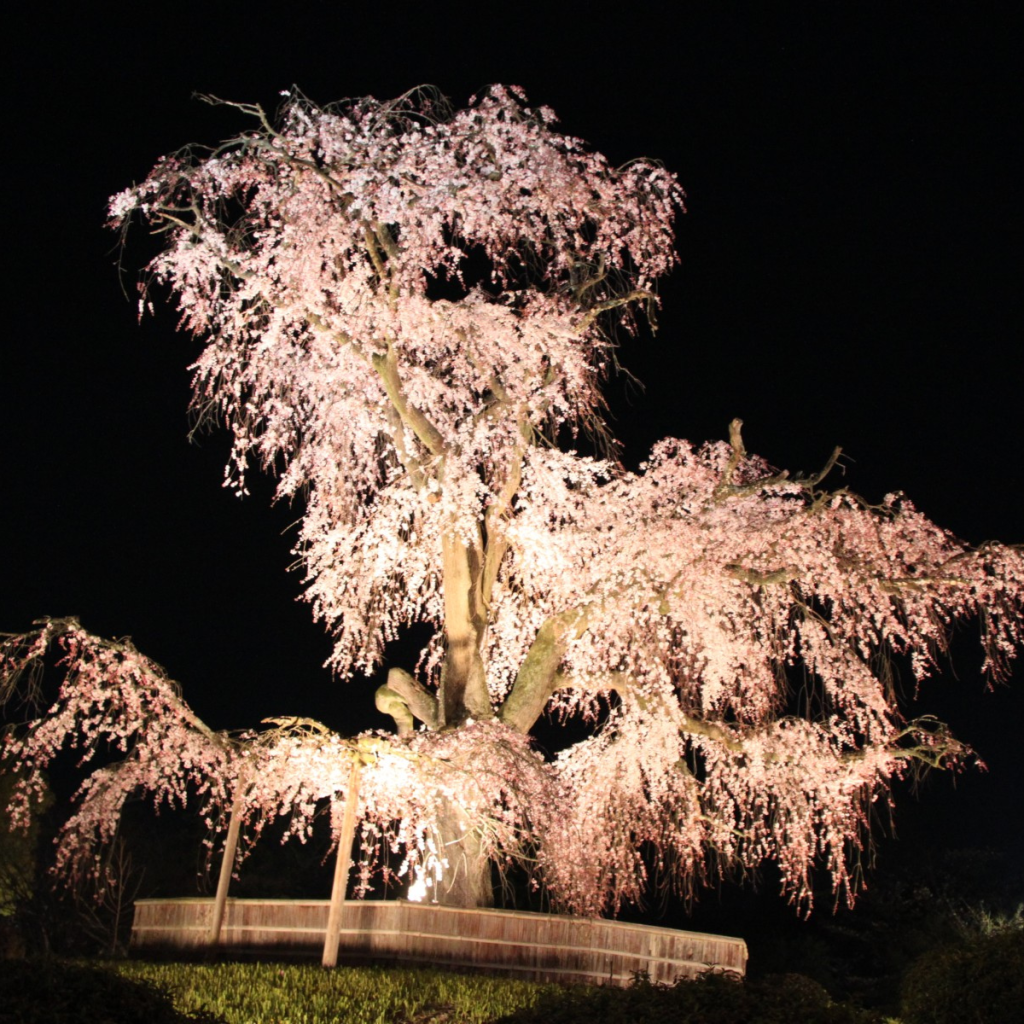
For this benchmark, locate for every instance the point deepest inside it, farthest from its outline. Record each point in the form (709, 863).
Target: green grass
(137, 992)
(245, 993)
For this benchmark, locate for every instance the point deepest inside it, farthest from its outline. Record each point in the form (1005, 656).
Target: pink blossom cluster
(316, 307)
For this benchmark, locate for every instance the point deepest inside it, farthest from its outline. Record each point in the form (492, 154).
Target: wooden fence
(538, 947)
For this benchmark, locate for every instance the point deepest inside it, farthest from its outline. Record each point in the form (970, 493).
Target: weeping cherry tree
(406, 314)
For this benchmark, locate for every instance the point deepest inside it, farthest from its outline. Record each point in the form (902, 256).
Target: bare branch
(811, 482)
(537, 678)
(390, 703)
(419, 700)
(601, 307)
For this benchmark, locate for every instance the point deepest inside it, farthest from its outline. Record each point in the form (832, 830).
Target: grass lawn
(308, 994)
(140, 992)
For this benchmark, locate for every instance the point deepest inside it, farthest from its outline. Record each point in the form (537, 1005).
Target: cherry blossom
(406, 313)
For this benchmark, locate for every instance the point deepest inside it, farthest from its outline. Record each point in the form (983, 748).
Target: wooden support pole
(227, 863)
(342, 866)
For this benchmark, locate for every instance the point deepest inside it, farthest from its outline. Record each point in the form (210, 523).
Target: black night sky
(850, 275)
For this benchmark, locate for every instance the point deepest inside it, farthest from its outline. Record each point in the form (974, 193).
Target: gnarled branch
(413, 695)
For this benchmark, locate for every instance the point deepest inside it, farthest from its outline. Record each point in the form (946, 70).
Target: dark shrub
(713, 999)
(51, 992)
(980, 983)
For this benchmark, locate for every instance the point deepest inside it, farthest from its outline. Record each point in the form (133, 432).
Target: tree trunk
(463, 679)
(466, 881)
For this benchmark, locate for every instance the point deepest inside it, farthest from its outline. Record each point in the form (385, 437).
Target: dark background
(850, 274)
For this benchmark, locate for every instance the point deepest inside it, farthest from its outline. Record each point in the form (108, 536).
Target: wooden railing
(539, 947)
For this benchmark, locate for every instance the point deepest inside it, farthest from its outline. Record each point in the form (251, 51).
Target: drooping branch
(21, 658)
(111, 698)
(932, 744)
(658, 704)
(636, 295)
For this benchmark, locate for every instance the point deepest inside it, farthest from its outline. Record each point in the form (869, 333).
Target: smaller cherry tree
(135, 735)
(407, 312)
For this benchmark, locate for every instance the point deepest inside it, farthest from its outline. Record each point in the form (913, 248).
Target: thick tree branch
(386, 366)
(626, 686)
(405, 689)
(537, 678)
(811, 482)
(377, 237)
(726, 488)
(412, 465)
(497, 541)
(389, 702)
(761, 579)
(935, 746)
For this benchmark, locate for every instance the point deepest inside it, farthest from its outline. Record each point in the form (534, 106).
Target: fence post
(226, 865)
(342, 866)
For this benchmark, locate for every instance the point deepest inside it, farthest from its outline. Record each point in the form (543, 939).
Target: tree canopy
(406, 313)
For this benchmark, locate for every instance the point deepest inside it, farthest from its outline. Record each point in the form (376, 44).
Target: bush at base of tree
(974, 984)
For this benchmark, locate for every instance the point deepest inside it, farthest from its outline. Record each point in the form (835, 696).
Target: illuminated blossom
(406, 313)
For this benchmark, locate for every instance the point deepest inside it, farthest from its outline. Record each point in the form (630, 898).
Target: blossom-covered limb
(386, 365)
